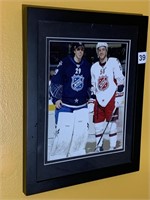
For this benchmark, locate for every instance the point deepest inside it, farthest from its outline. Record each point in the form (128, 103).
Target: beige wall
(130, 186)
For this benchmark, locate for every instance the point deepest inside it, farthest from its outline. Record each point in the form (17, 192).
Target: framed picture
(83, 95)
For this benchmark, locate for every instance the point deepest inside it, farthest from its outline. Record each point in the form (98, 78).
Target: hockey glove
(120, 88)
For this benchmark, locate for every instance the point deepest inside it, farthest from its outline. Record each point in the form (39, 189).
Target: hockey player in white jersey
(107, 79)
(70, 88)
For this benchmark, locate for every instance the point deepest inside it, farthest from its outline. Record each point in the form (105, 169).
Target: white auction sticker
(142, 57)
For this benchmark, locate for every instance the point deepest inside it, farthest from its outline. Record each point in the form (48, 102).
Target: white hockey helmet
(102, 44)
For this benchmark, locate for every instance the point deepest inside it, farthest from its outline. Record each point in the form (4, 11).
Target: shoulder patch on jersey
(115, 61)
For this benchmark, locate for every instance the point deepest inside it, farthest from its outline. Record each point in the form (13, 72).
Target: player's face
(79, 53)
(102, 53)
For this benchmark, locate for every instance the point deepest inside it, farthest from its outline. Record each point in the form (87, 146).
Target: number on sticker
(142, 56)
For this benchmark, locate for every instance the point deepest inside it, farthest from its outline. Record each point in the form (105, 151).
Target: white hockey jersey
(103, 79)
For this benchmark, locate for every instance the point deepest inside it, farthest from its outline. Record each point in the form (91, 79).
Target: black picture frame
(42, 22)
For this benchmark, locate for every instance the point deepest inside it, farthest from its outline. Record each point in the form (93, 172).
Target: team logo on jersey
(103, 83)
(77, 82)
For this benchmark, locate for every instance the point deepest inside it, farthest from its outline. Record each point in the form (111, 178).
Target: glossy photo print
(89, 117)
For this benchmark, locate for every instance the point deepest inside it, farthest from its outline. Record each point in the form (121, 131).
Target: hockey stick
(112, 115)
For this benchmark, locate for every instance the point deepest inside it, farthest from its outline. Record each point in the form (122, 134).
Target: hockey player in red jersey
(107, 78)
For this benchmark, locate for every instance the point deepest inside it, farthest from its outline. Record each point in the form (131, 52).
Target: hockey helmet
(102, 44)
